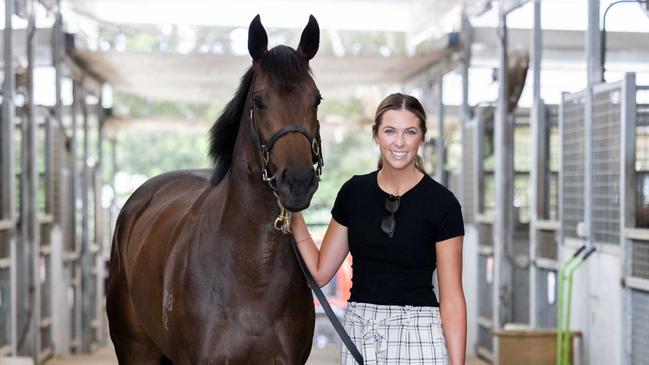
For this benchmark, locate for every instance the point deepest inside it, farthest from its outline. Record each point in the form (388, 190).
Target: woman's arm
(452, 303)
(324, 263)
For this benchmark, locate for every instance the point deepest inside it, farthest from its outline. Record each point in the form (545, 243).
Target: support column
(86, 334)
(540, 157)
(504, 177)
(29, 252)
(593, 44)
(8, 171)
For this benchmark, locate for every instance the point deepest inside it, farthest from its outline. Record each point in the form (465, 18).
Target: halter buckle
(315, 148)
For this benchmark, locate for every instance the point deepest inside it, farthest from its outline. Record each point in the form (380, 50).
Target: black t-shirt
(397, 270)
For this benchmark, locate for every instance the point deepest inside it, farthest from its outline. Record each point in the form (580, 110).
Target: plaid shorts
(393, 334)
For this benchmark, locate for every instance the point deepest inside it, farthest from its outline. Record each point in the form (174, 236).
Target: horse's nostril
(298, 176)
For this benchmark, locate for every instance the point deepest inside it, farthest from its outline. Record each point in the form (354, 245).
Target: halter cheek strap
(283, 221)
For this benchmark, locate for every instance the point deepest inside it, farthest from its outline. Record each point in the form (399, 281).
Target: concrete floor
(106, 356)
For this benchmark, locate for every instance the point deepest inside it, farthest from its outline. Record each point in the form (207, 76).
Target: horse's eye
(318, 99)
(259, 103)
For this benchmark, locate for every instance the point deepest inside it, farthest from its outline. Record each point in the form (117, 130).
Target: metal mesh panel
(488, 193)
(551, 211)
(639, 327)
(546, 298)
(572, 151)
(642, 166)
(485, 232)
(606, 166)
(640, 259)
(5, 308)
(485, 280)
(521, 295)
(484, 338)
(521, 278)
(4, 244)
(468, 177)
(547, 245)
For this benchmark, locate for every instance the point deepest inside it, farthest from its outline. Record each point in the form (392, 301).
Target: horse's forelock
(286, 67)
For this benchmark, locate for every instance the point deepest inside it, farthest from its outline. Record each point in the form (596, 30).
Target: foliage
(146, 152)
(138, 107)
(151, 152)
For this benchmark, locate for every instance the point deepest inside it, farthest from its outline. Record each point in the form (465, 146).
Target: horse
(199, 272)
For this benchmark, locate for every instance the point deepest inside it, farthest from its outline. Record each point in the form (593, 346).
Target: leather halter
(265, 149)
(283, 221)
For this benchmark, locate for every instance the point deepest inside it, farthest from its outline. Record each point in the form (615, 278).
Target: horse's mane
(286, 68)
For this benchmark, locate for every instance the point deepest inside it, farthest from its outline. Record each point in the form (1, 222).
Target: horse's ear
(257, 40)
(310, 40)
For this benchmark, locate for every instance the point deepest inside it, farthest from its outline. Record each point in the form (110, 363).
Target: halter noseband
(264, 149)
(283, 221)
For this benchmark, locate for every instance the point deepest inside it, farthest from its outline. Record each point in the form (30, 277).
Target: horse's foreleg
(132, 345)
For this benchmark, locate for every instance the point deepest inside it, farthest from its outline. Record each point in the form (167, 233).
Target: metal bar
(45, 218)
(8, 189)
(609, 86)
(485, 322)
(539, 148)
(546, 225)
(465, 111)
(485, 353)
(6, 224)
(483, 218)
(628, 149)
(74, 196)
(479, 167)
(641, 234)
(485, 250)
(49, 166)
(636, 283)
(628, 113)
(99, 222)
(86, 252)
(503, 143)
(593, 44)
(547, 264)
(440, 132)
(30, 229)
(588, 164)
(561, 207)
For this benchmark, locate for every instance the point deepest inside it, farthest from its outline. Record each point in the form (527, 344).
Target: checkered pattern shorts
(392, 334)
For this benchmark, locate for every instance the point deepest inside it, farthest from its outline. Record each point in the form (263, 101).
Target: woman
(399, 225)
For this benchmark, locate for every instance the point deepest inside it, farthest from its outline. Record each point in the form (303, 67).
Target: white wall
(596, 302)
(470, 280)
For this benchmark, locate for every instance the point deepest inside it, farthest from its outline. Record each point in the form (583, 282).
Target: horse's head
(283, 103)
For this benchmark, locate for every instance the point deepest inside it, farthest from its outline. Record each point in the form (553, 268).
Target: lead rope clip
(283, 221)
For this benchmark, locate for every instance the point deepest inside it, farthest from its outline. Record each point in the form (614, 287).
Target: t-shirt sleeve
(451, 223)
(339, 212)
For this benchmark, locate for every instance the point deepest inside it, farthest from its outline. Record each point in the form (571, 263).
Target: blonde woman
(400, 226)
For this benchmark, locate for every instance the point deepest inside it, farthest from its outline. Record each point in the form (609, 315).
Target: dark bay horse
(198, 272)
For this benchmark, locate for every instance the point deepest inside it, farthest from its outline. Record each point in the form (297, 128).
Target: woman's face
(399, 137)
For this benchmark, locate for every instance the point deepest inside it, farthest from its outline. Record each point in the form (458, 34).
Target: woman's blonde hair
(398, 101)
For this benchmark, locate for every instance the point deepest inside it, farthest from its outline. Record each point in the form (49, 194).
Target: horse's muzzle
(295, 187)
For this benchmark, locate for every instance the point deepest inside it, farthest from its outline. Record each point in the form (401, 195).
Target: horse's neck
(245, 180)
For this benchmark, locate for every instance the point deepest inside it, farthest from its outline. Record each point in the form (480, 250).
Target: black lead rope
(327, 308)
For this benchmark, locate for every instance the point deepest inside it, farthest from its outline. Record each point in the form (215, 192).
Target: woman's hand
(323, 263)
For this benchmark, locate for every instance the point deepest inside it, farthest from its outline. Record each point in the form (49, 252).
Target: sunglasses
(389, 223)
